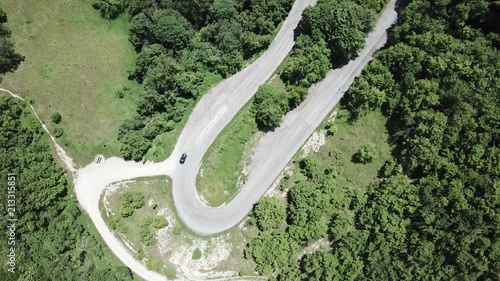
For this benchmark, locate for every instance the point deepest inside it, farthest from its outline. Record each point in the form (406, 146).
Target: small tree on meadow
(56, 117)
(366, 154)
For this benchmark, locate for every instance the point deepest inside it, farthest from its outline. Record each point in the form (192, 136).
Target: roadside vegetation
(184, 47)
(323, 43)
(331, 33)
(132, 212)
(155, 235)
(427, 210)
(75, 63)
(221, 171)
(53, 239)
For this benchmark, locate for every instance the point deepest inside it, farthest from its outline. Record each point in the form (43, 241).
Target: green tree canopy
(270, 213)
(271, 104)
(171, 29)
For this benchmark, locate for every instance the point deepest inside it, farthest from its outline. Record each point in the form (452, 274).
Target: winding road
(213, 112)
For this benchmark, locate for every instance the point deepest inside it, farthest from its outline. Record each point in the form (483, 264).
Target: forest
(433, 212)
(183, 51)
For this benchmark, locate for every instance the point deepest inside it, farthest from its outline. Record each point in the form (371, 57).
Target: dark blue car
(183, 158)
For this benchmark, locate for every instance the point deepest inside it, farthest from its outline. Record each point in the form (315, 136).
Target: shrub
(58, 132)
(159, 222)
(140, 254)
(308, 167)
(332, 130)
(147, 237)
(271, 104)
(270, 213)
(146, 222)
(56, 117)
(130, 202)
(171, 273)
(196, 254)
(366, 154)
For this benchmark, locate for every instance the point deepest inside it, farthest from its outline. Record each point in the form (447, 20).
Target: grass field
(75, 63)
(176, 244)
(129, 227)
(223, 163)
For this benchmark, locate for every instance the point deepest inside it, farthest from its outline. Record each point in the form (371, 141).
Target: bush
(146, 222)
(271, 103)
(332, 130)
(171, 273)
(159, 222)
(140, 254)
(270, 213)
(130, 202)
(196, 254)
(177, 231)
(366, 154)
(56, 117)
(58, 132)
(147, 237)
(308, 167)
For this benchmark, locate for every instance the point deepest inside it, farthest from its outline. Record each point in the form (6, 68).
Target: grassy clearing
(338, 150)
(223, 163)
(75, 63)
(369, 129)
(128, 228)
(178, 251)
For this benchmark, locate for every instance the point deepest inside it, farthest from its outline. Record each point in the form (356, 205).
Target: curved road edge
(210, 115)
(232, 93)
(275, 149)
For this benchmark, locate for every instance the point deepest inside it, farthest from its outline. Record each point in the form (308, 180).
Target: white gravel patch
(318, 138)
(314, 143)
(214, 251)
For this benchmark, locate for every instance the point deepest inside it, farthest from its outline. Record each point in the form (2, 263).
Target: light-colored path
(212, 113)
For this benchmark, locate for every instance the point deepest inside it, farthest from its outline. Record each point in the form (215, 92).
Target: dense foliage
(270, 213)
(433, 213)
(130, 201)
(183, 48)
(271, 103)
(9, 59)
(331, 33)
(53, 241)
